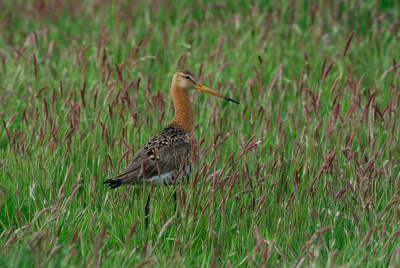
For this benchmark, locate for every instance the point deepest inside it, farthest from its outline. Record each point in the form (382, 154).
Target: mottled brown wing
(176, 159)
(165, 160)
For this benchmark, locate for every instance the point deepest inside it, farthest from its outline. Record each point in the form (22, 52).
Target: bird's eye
(187, 77)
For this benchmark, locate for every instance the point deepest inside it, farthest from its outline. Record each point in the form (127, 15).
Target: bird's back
(164, 159)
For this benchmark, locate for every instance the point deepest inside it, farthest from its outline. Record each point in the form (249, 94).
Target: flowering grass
(305, 171)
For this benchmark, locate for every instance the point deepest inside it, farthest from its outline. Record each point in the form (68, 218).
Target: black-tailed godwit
(167, 157)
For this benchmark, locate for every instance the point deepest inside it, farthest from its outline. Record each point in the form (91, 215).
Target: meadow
(304, 172)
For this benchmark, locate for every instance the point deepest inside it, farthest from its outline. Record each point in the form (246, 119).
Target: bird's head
(185, 80)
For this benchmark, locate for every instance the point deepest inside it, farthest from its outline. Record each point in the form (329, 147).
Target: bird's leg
(147, 211)
(175, 199)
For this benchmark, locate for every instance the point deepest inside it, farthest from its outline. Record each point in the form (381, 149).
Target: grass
(304, 172)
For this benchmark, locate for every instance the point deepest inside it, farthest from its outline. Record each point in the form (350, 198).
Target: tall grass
(304, 172)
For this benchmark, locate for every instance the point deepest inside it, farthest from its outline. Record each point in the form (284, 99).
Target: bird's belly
(169, 178)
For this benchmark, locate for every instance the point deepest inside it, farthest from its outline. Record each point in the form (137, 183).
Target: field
(304, 172)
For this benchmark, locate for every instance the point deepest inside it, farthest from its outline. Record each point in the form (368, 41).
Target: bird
(169, 156)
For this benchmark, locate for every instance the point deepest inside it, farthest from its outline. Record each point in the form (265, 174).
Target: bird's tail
(113, 183)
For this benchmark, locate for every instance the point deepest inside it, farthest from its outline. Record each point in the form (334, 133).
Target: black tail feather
(113, 183)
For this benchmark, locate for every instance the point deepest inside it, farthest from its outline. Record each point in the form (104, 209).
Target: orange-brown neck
(184, 117)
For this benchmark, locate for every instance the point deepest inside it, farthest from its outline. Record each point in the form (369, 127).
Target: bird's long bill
(205, 89)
